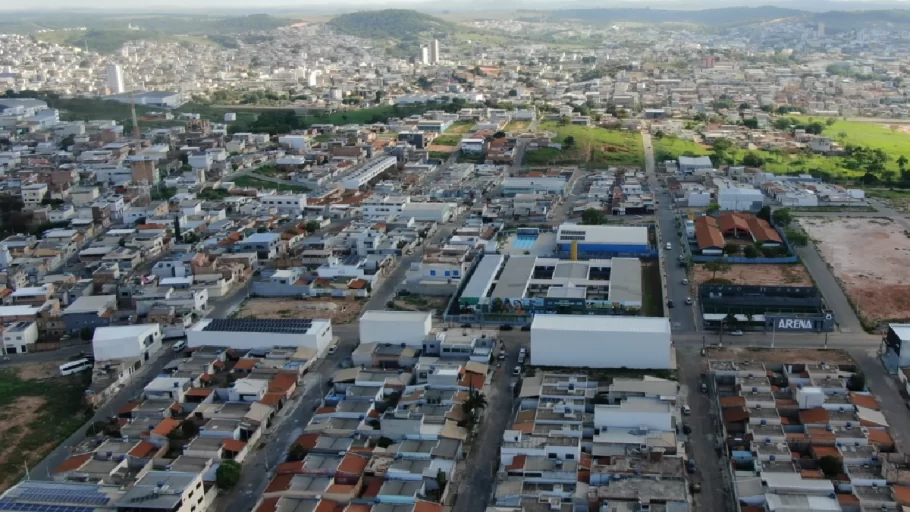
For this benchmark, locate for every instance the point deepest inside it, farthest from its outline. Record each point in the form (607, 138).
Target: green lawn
(875, 136)
(249, 181)
(899, 199)
(31, 433)
(447, 140)
(460, 127)
(671, 148)
(593, 145)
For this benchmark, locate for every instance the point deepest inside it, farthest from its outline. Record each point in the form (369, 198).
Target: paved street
(704, 436)
(478, 477)
(681, 316)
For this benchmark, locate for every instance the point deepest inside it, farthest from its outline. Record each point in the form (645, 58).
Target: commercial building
(601, 342)
(315, 335)
(20, 338)
(555, 185)
(286, 204)
(408, 327)
(771, 308)
(434, 51)
(126, 342)
(692, 164)
(528, 284)
(740, 199)
(584, 242)
(368, 172)
(115, 79)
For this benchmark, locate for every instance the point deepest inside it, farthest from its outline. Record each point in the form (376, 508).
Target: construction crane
(136, 137)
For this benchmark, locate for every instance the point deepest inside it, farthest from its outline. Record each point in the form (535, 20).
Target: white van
(669, 246)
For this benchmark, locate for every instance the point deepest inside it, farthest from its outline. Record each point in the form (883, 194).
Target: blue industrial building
(602, 241)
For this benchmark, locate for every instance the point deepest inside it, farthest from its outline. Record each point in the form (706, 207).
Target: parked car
(516, 371)
(685, 281)
(466, 325)
(686, 410)
(688, 301)
(737, 332)
(502, 355)
(695, 488)
(333, 349)
(506, 327)
(670, 304)
(686, 429)
(179, 346)
(526, 328)
(690, 466)
(704, 387)
(669, 246)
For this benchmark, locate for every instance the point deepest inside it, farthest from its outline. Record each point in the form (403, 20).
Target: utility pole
(773, 333)
(135, 121)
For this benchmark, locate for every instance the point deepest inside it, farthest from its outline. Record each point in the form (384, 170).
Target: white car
(737, 332)
(688, 301)
(516, 371)
(179, 346)
(686, 410)
(669, 246)
(333, 349)
(685, 281)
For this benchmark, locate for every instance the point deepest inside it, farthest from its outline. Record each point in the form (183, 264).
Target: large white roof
(601, 323)
(117, 332)
(395, 316)
(606, 234)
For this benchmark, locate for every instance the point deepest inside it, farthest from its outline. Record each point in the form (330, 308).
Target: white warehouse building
(126, 342)
(315, 335)
(410, 327)
(369, 171)
(601, 341)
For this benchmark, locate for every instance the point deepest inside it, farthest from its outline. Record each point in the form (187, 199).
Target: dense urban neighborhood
(573, 260)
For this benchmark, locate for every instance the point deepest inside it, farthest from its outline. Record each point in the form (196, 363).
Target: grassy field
(876, 136)
(447, 140)
(36, 414)
(252, 182)
(596, 147)
(517, 126)
(460, 128)
(671, 148)
(897, 198)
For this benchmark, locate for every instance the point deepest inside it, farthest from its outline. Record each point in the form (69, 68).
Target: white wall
(130, 345)
(598, 349)
(387, 327)
(318, 338)
(614, 416)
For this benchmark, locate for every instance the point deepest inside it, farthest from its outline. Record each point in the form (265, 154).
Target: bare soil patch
(420, 303)
(441, 149)
(759, 275)
(781, 355)
(339, 311)
(37, 371)
(14, 426)
(869, 257)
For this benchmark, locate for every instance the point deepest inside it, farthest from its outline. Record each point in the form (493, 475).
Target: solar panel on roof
(290, 326)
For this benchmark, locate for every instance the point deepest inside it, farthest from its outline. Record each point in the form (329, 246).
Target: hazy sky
(429, 5)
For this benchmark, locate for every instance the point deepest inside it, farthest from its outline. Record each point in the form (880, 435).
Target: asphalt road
(703, 439)
(681, 316)
(479, 475)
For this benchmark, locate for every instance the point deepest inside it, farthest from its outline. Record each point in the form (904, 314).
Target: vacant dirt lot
(781, 355)
(441, 149)
(869, 256)
(759, 275)
(14, 428)
(338, 310)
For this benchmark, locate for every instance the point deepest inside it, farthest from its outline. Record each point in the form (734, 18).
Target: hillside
(389, 24)
(712, 17)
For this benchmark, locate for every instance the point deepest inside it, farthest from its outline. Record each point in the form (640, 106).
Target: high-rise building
(424, 55)
(820, 29)
(434, 51)
(115, 79)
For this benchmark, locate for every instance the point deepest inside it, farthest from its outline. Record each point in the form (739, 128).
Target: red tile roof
(307, 441)
(426, 506)
(273, 398)
(200, 392)
(165, 427)
(233, 445)
(72, 463)
(814, 416)
(280, 483)
(282, 382)
(291, 468)
(142, 450)
(707, 234)
(867, 401)
(518, 462)
(472, 380)
(246, 364)
(352, 464)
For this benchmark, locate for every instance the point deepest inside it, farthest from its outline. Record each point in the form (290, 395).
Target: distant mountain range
(390, 24)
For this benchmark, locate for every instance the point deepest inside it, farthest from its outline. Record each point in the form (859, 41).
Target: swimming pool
(524, 242)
